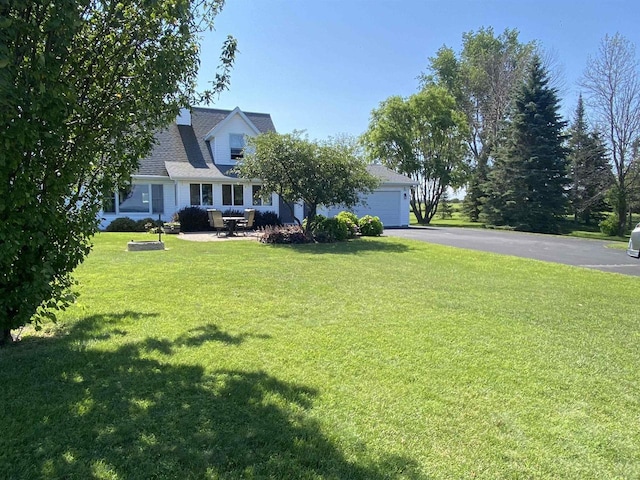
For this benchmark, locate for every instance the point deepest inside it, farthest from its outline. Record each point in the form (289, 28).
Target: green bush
(609, 226)
(232, 212)
(193, 219)
(351, 221)
(327, 230)
(266, 219)
(261, 219)
(123, 224)
(370, 226)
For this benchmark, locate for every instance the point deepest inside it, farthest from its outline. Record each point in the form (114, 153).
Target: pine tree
(527, 186)
(590, 172)
(445, 209)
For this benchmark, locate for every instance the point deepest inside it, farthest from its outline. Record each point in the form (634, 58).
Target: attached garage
(390, 201)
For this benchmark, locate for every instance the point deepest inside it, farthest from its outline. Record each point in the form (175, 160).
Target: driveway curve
(549, 248)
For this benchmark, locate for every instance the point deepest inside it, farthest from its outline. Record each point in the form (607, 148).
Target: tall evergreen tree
(482, 79)
(527, 186)
(590, 172)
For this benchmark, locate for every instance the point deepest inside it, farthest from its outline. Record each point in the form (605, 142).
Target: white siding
(184, 196)
(220, 145)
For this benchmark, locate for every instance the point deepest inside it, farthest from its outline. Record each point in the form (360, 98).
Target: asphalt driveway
(549, 248)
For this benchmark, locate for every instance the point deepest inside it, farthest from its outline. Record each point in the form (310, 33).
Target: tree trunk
(416, 207)
(5, 336)
(311, 214)
(622, 215)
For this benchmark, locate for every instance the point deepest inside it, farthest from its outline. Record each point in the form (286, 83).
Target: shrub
(261, 219)
(327, 230)
(266, 219)
(283, 234)
(231, 212)
(351, 221)
(123, 224)
(193, 219)
(609, 226)
(370, 226)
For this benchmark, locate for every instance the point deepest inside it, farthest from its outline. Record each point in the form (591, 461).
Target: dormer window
(236, 143)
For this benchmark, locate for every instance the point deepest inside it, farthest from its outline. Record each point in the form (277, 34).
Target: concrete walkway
(212, 237)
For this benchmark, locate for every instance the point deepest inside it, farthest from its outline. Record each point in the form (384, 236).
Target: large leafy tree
(83, 86)
(527, 186)
(590, 172)
(612, 86)
(482, 79)
(327, 173)
(423, 137)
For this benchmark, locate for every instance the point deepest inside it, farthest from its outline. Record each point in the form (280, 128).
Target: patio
(212, 237)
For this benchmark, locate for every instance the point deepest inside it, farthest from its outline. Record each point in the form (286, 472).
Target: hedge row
(343, 226)
(126, 224)
(192, 219)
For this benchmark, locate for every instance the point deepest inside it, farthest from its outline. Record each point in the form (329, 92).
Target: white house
(190, 166)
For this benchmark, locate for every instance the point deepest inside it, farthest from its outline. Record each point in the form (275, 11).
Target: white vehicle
(633, 249)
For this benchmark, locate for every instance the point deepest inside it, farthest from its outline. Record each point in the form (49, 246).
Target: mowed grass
(568, 228)
(371, 359)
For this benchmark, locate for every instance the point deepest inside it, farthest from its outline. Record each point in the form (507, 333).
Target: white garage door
(385, 204)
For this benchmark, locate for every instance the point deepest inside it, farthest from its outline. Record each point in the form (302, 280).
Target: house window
(201, 193)
(256, 193)
(109, 203)
(157, 198)
(232, 194)
(138, 198)
(236, 144)
(135, 199)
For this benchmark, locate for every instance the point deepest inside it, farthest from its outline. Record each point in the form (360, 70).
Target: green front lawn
(372, 359)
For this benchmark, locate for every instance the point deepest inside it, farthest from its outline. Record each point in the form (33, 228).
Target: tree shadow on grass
(73, 411)
(212, 333)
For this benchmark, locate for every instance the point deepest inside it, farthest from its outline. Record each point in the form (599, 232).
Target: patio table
(232, 223)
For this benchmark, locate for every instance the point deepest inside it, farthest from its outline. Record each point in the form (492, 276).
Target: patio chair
(216, 220)
(247, 223)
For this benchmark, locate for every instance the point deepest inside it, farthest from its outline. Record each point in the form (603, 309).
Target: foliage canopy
(300, 170)
(527, 186)
(423, 137)
(482, 78)
(83, 87)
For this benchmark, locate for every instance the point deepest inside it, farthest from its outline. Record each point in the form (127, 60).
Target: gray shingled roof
(180, 150)
(388, 176)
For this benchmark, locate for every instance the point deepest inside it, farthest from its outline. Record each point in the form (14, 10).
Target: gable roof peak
(236, 111)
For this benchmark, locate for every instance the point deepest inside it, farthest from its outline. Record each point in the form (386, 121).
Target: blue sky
(323, 65)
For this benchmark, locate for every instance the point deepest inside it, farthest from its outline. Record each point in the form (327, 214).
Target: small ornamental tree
(299, 170)
(84, 84)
